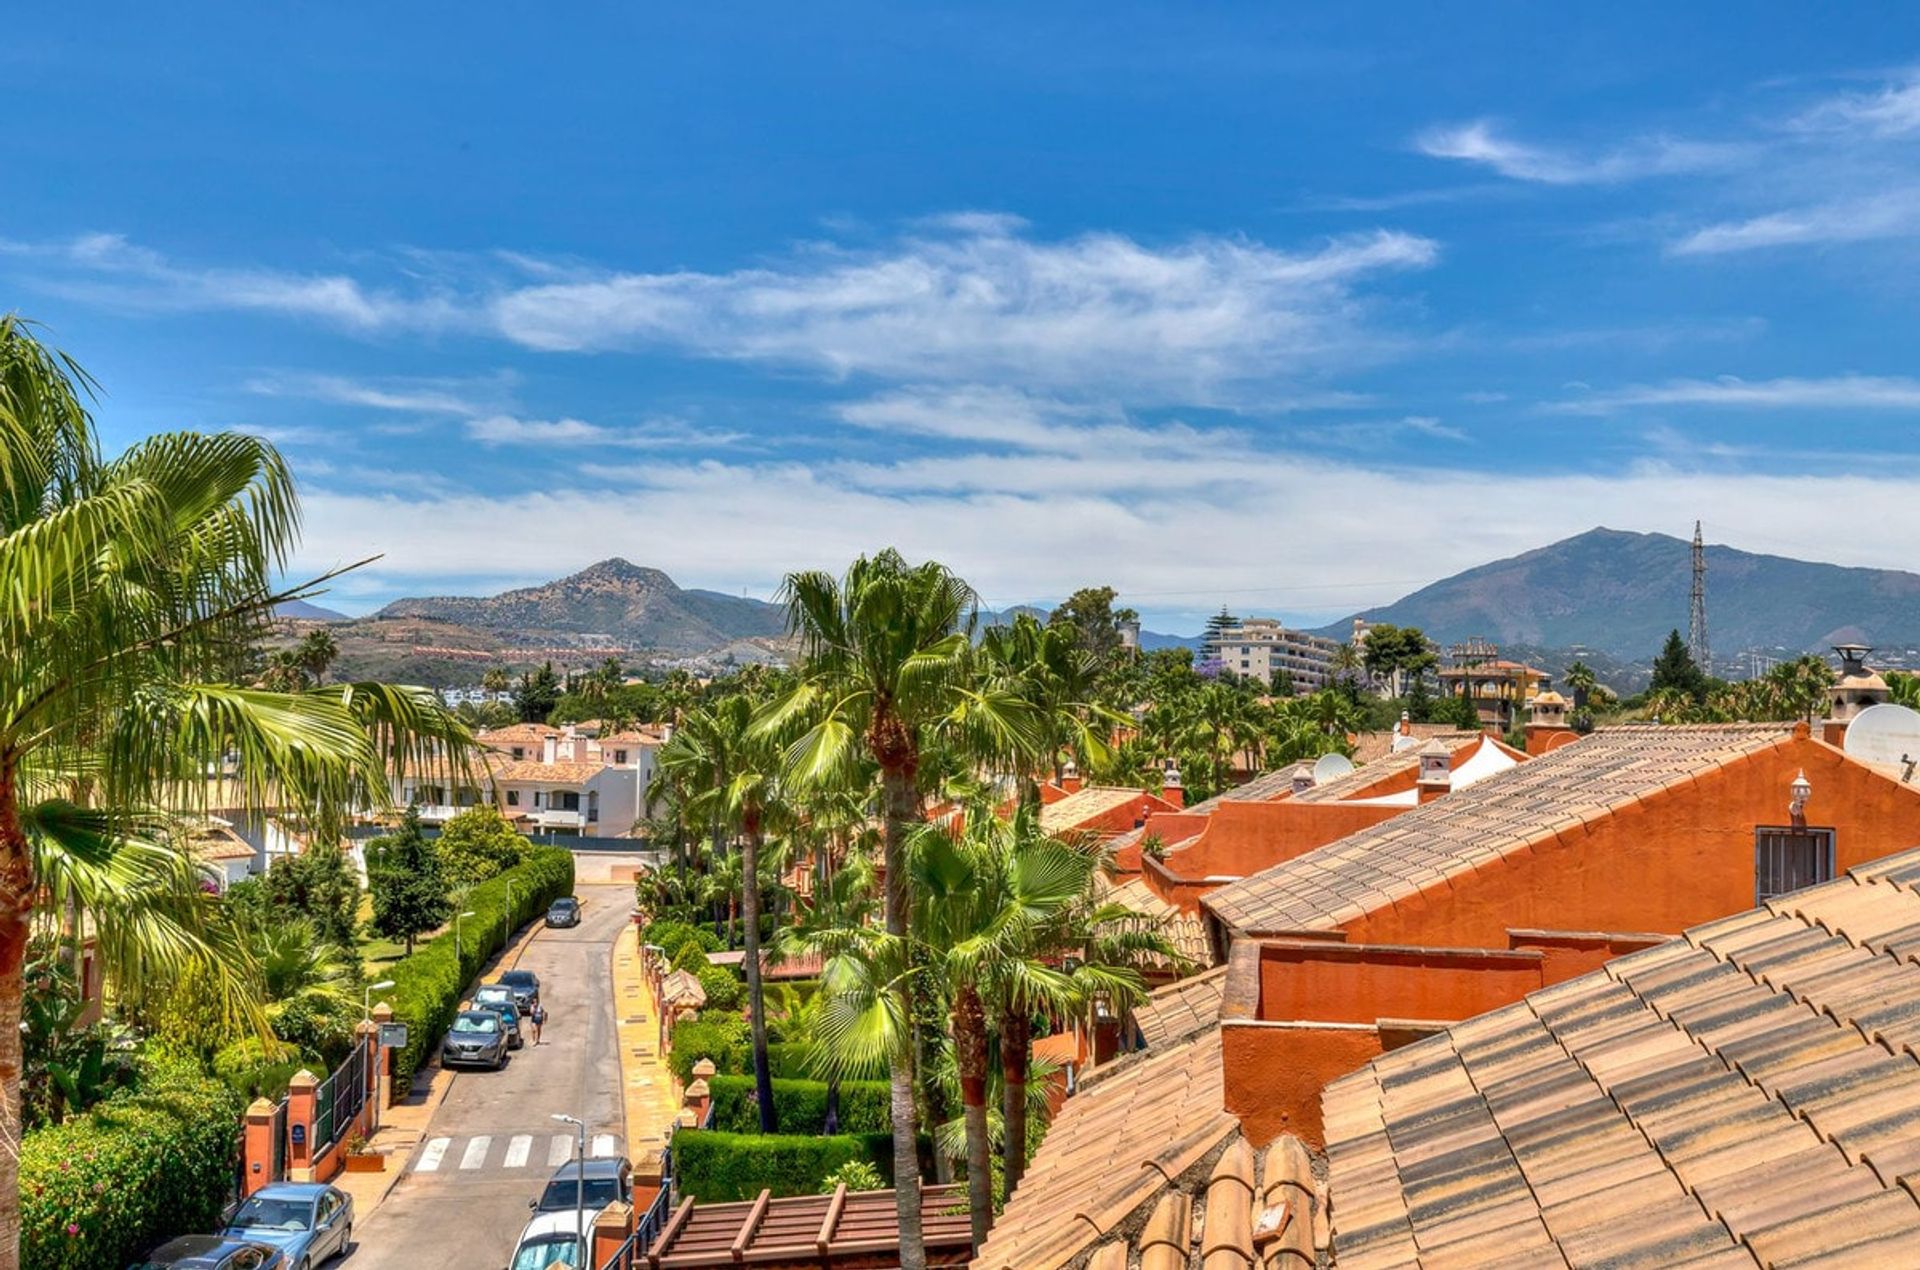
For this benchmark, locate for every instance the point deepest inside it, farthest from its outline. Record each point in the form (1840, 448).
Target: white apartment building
(1259, 646)
(552, 780)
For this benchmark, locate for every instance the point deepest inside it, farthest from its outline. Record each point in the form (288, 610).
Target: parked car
(476, 1038)
(551, 1239)
(309, 1222)
(212, 1252)
(498, 997)
(525, 985)
(564, 911)
(605, 1180)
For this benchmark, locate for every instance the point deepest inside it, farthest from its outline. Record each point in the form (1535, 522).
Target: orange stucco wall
(1569, 954)
(1241, 839)
(1675, 859)
(1357, 983)
(1171, 827)
(1274, 1073)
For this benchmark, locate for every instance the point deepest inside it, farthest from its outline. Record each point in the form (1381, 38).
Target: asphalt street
(492, 1144)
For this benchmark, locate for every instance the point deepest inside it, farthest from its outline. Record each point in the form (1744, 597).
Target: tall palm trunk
(902, 806)
(1016, 1048)
(16, 911)
(756, 998)
(970, 1056)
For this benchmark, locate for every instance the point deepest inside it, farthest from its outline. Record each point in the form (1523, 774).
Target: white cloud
(983, 304)
(1889, 214)
(505, 429)
(409, 395)
(1839, 392)
(1481, 142)
(1892, 111)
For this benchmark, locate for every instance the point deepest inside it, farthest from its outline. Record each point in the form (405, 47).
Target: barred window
(1786, 860)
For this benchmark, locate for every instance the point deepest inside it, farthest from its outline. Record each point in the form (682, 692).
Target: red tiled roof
(1078, 809)
(1399, 761)
(1186, 932)
(1325, 888)
(557, 773)
(844, 1228)
(1747, 1093)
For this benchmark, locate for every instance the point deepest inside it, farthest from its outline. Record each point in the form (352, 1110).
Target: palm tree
(1581, 682)
(316, 653)
(887, 656)
(1046, 667)
(129, 587)
(734, 768)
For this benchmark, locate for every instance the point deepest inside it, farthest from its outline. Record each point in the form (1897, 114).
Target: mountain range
(1620, 593)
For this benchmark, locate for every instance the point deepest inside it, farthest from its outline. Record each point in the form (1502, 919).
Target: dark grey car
(525, 985)
(478, 1038)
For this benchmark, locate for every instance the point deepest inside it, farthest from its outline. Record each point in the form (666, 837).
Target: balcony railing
(554, 818)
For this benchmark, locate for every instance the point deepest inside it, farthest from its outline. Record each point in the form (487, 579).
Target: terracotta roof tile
(1186, 932)
(1719, 1100)
(1079, 809)
(1180, 1010)
(1503, 813)
(557, 773)
(1110, 1151)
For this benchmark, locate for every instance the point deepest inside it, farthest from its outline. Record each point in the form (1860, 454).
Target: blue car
(309, 1222)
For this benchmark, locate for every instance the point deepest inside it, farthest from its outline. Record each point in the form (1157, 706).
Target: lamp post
(366, 999)
(458, 958)
(579, 1182)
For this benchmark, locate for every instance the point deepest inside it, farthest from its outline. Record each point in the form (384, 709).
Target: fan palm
(886, 670)
(130, 590)
(1046, 667)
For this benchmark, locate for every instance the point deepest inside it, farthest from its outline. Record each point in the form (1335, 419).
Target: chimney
(1547, 722)
(1302, 777)
(1070, 777)
(1855, 689)
(1170, 787)
(1436, 771)
(549, 748)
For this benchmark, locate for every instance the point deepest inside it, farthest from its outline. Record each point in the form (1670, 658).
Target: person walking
(539, 1017)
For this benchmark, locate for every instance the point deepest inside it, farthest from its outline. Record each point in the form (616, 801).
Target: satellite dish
(1332, 766)
(1887, 735)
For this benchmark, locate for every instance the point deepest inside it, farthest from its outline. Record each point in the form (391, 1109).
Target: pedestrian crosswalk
(499, 1152)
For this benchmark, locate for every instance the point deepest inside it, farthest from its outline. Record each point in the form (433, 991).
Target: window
(1785, 860)
(513, 798)
(619, 756)
(519, 752)
(536, 798)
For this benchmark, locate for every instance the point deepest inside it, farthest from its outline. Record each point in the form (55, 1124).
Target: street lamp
(579, 1182)
(457, 957)
(366, 998)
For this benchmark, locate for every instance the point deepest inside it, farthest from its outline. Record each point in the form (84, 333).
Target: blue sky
(1291, 310)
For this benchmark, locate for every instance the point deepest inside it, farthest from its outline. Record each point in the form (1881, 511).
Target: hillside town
(886, 637)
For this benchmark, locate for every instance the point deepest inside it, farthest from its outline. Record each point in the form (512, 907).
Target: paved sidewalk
(652, 1095)
(404, 1124)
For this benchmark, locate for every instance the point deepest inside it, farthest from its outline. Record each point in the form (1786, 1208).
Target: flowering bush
(136, 1170)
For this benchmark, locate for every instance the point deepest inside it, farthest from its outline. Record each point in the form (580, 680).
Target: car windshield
(477, 1023)
(519, 978)
(562, 1192)
(492, 993)
(561, 906)
(549, 1250)
(264, 1213)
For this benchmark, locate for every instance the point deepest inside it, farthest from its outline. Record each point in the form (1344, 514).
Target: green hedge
(802, 1105)
(724, 1038)
(105, 1187)
(429, 986)
(718, 1168)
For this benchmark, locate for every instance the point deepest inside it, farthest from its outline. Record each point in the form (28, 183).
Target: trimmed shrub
(250, 1070)
(785, 1059)
(689, 956)
(670, 935)
(723, 1038)
(103, 1188)
(801, 1105)
(429, 986)
(724, 990)
(855, 1175)
(718, 1168)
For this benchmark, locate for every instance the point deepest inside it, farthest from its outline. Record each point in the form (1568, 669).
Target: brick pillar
(257, 1147)
(610, 1230)
(301, 1105)
(367, 1033)
(699, 1094)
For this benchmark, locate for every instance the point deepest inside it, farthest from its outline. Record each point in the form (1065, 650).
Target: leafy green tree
(1280, 683)
(319, 885)
(536, 694)
(1581, 681)
(316, 653)
(886, 674)
(1094, 622)
(478, 844)
(409, 889)
(1395, 655)
(1674, 672)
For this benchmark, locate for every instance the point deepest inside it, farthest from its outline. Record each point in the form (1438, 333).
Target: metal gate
(338, 1100)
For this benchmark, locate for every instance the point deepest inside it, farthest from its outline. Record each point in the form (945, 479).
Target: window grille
(1787, 859)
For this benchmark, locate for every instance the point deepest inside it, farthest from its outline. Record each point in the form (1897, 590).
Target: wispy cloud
(1841, 392)
(503, 429)
(1482, 142)
(1891, 111)
(1889, 214)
